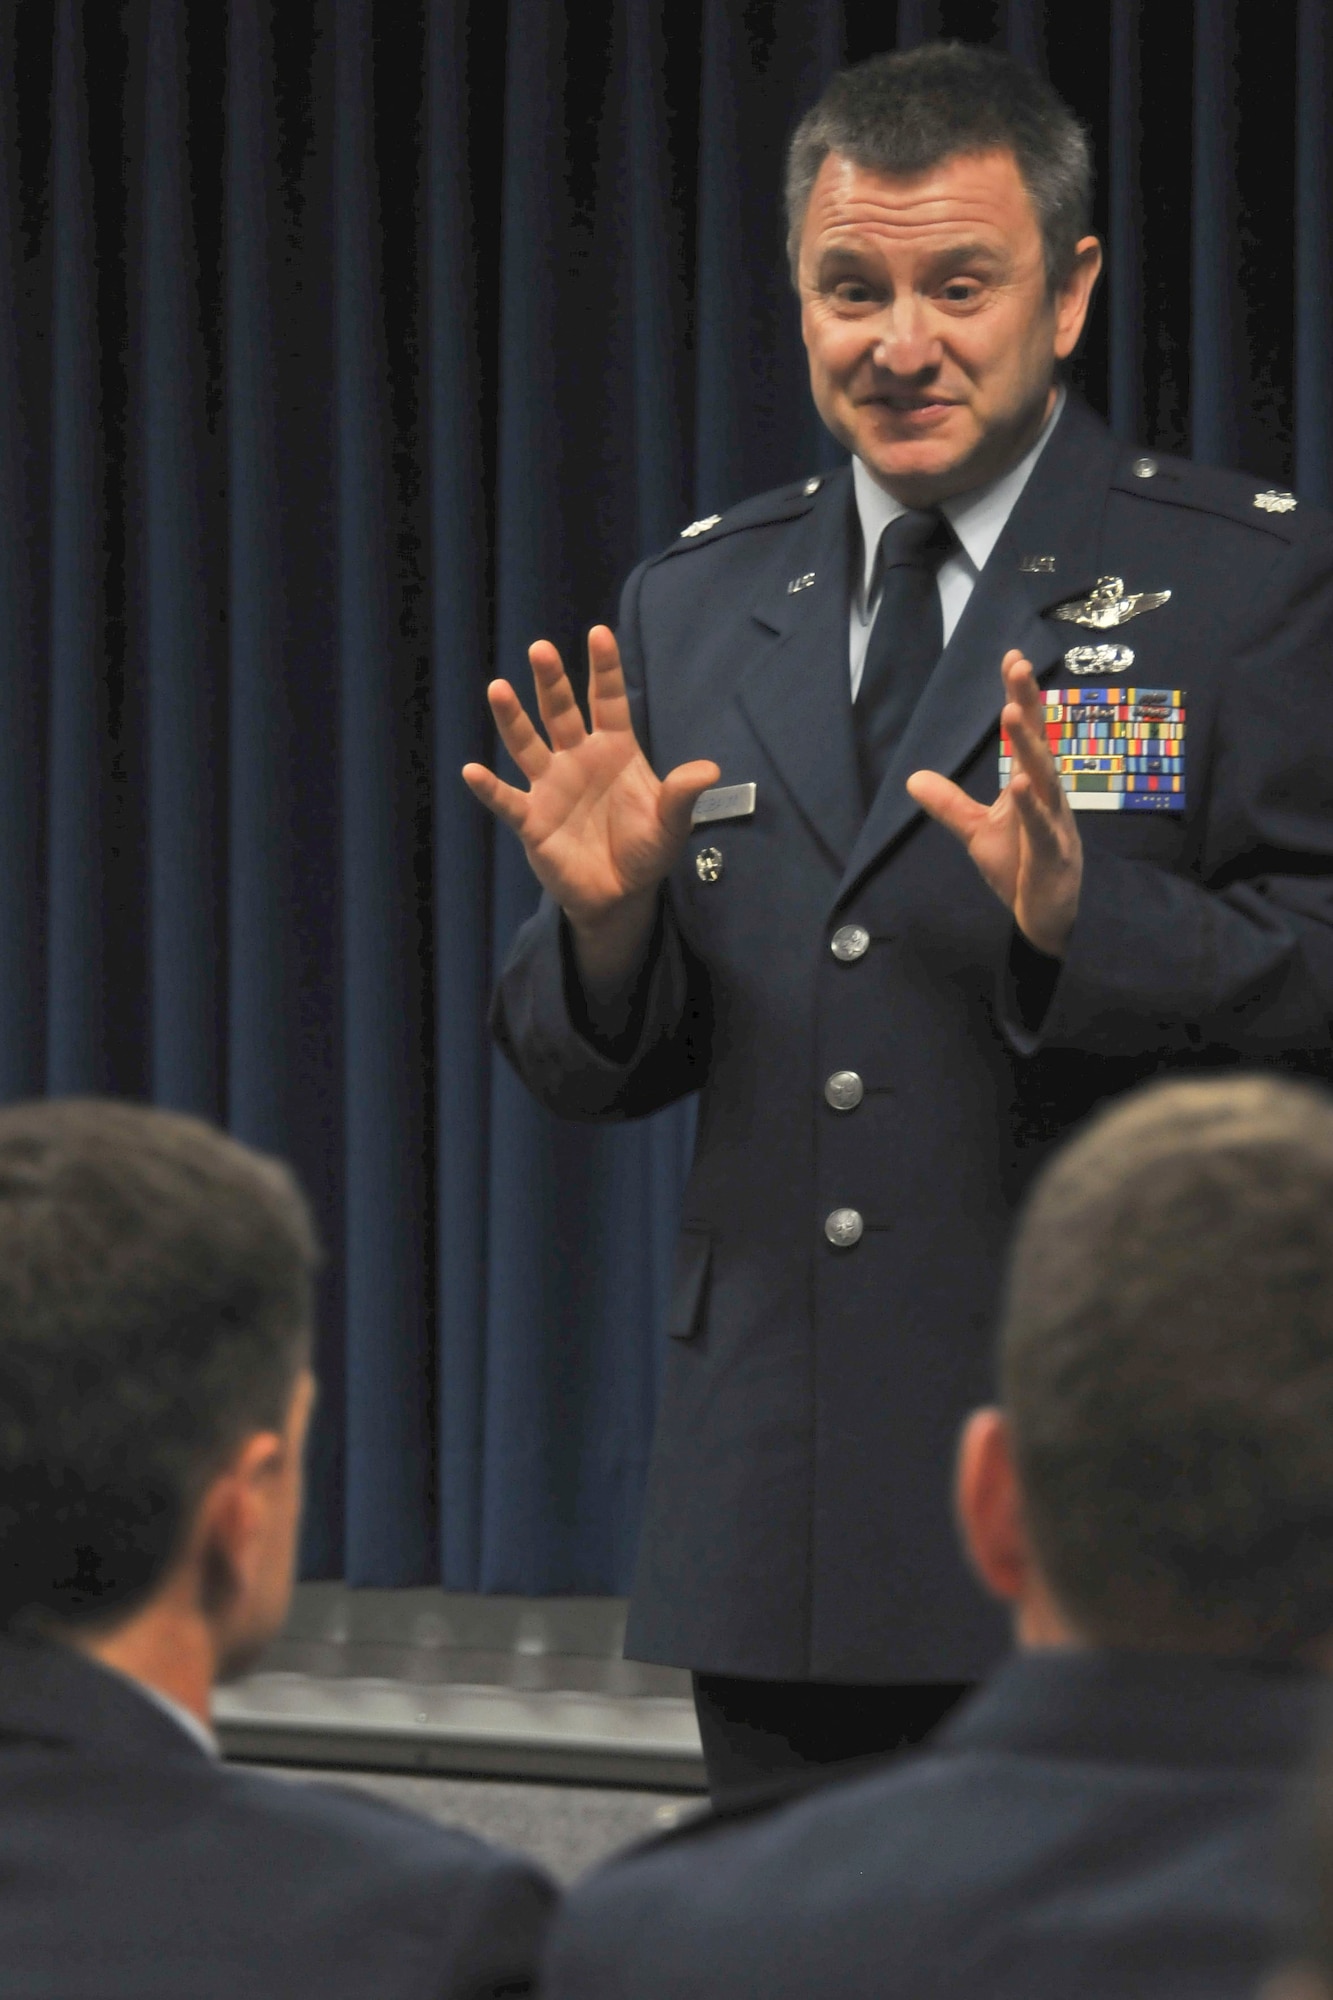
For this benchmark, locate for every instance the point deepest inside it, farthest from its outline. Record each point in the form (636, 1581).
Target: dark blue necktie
(905, 642)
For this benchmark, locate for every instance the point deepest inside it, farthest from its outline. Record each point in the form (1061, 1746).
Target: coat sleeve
(541, 1019)
(1237, 955)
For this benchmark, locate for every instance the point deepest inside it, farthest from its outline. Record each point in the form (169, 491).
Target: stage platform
(430, 1681)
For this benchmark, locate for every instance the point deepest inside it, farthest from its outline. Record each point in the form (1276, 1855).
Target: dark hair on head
(903, 114)
(155, 1309)
(1167, 1369)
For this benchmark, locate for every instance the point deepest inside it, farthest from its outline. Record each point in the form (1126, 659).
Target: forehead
(980, 196)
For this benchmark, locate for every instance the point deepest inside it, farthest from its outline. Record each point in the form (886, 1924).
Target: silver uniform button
(851, 942)
(1144, 468)
(843, 1227)
(708, 864)
(844, 1090)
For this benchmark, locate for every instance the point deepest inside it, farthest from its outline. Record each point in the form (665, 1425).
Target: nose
(906, 344)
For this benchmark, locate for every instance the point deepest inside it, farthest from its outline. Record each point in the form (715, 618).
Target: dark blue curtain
(345, 346)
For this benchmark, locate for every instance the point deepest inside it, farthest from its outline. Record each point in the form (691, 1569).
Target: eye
(960, 291)
(854, 292)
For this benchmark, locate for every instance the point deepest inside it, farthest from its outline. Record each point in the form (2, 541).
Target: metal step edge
(641, 1741)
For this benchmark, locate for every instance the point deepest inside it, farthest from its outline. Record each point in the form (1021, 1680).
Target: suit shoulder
(1270, 510)
(763, 510)
(373, 1835)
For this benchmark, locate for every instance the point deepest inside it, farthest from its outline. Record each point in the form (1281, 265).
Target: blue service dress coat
(798, 1518)
(132, 1863)
(1108, 1825)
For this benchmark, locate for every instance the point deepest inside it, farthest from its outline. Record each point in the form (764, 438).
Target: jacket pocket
(689, 1282)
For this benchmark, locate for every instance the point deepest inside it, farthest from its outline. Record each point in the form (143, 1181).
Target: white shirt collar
(977, 518)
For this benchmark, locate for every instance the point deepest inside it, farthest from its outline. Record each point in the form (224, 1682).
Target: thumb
(947, 803)
(680, 789)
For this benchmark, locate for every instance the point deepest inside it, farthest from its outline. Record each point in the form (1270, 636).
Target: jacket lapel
(796, 692)
(1059, 513)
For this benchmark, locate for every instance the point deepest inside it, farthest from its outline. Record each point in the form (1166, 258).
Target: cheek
(834, 348)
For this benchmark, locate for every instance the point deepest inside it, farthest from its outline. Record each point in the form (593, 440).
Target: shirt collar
(185, 1718)
(976, 518)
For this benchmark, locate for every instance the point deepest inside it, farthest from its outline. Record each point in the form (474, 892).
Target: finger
(503, 800)
(947, 803)
(518, 733)
(555, 697)
(608, 702)
(1018, 674)
(1024, 721)
(1032, 753)
(680, 789)
(1044, 829)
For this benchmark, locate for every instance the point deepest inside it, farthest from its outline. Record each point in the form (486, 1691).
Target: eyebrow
(853, 254)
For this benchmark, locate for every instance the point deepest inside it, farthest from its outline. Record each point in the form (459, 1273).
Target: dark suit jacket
(1089, 1827)
(798, 1519)
(134, 1867)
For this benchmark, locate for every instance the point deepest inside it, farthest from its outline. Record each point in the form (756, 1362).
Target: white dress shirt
(976, 518)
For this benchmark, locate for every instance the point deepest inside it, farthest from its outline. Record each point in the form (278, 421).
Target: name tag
(1116, 749)
(724, 802)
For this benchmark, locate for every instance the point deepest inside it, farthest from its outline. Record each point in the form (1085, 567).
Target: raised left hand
(1027, 844)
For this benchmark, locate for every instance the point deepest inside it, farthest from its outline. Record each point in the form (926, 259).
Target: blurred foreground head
(1167, 1371)
(155, 1316)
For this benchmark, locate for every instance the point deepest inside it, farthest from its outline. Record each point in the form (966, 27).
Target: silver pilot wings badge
(1107, 606)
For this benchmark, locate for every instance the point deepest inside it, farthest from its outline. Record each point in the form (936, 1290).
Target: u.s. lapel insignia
(1107, 606)
(700, 527)
(1037, 565)
(1275, 501)
(1099, 659)
(800, 583)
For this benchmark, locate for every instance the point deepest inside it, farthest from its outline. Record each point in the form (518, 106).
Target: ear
(230, 1526)
(1075, 296)
(989, 1506)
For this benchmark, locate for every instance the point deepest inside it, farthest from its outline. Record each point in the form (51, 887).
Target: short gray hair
(903, 114)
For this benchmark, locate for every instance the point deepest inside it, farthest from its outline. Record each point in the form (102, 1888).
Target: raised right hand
(599, 827)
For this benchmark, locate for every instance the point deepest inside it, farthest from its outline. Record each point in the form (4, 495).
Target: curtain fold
(345, 348)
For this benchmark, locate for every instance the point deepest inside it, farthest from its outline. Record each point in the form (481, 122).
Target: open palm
(1026, 844)
(597, 823)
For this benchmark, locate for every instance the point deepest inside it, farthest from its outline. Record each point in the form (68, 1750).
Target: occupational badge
(1275, 501)
(1107, 606)
(1116, 749)
(1099, 659)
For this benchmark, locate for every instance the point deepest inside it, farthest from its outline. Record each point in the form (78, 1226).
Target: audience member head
(1160, 1473)
(155, 1327)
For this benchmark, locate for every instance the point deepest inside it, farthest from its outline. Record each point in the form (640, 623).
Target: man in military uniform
(781, 868)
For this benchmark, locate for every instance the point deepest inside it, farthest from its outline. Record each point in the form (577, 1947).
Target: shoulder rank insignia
(1108, 606)
(701, 527)
(1275, 502)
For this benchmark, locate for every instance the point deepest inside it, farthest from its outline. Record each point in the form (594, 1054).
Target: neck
(1038, 1620)
(166, 1648)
